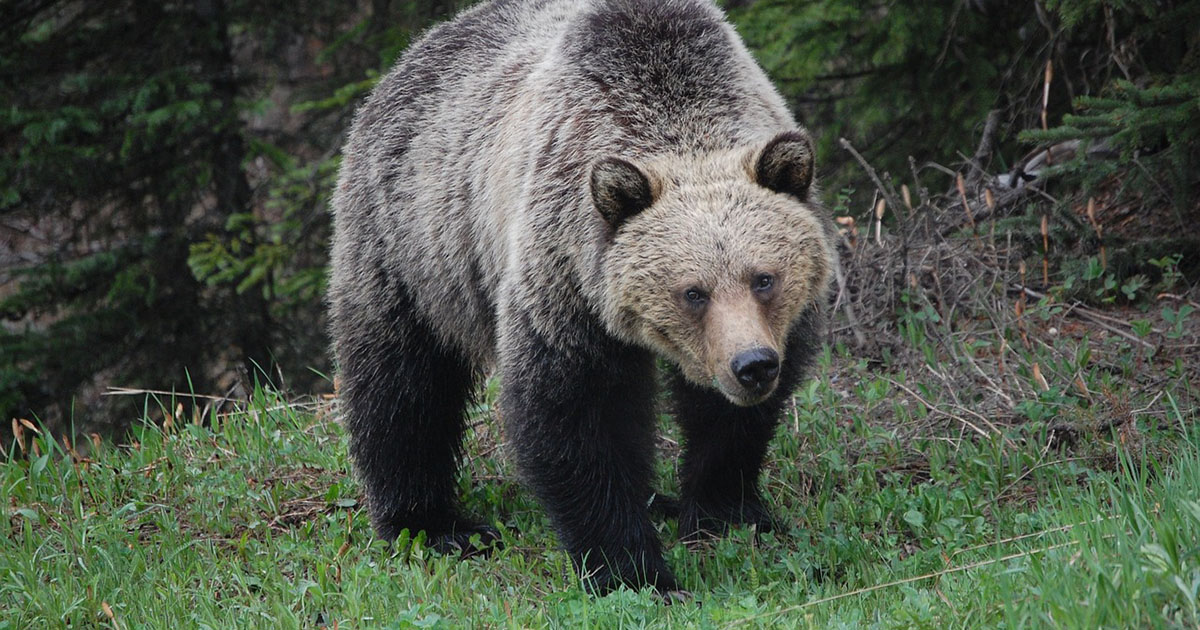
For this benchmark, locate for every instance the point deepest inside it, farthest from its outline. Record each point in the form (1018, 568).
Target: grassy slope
(253, 522)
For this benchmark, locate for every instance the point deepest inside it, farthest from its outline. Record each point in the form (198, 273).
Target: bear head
(710, 259)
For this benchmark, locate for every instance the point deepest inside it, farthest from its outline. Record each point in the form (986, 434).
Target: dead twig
(931, 407)
(847, 307)
(130, 391)
(889, 194)
(1002, 201)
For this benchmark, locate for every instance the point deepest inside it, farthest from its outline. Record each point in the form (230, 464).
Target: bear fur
(564, 190)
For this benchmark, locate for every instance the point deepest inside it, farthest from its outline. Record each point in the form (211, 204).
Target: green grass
(900, 517)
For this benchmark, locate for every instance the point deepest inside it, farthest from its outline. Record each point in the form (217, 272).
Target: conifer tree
(162, 190)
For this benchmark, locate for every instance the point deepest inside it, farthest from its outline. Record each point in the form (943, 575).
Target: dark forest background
(165, 166)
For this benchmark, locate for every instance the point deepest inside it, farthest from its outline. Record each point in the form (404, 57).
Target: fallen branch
(986, 145)
(1092, 316)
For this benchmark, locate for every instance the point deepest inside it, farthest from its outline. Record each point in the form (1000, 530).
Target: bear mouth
(745, 396)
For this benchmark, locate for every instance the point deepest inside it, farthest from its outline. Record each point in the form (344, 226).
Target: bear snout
(756, 369)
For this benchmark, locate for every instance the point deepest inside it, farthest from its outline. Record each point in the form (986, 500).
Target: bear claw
(677, 596)
(459, 542)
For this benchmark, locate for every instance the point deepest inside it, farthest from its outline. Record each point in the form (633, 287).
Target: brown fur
(539, 186)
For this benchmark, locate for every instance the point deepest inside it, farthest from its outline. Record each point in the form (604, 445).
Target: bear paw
(664, 506)
(603, 579)
(700, 520)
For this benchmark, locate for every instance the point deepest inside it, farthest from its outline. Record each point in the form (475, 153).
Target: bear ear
(619, 190)
(786, 164)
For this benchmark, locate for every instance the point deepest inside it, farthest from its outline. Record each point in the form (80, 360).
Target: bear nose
(755, 368)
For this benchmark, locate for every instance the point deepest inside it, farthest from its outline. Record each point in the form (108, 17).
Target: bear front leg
(725, 445)
(724, 448)
(403, 395)
(580, 425)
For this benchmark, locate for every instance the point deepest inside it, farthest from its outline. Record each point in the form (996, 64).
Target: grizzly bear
(565, 191)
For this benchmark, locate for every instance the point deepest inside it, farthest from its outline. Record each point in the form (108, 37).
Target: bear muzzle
(752, 376)
(756, 369)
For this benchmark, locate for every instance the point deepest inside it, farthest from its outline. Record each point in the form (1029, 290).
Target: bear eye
(763, 282)
(695, 296)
